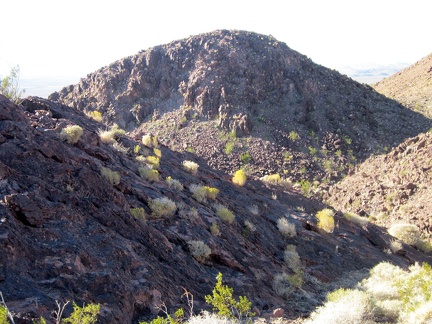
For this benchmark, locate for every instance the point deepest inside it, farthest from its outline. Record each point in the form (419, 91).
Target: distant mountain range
(371, 73)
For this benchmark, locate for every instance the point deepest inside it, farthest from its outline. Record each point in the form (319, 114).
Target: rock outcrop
(67, 233)
(393, 188)
(288, 114)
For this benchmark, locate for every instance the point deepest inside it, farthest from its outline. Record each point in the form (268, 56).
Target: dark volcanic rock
(66, 233)
(252, 85)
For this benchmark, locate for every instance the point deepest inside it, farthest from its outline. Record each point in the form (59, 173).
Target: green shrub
(272, 178)
(190, 166)
(224, 213)
(229, 147)
(95, 115)
(214, 229)
(199, 250)
(239, 178)
(284, 285)
(154, 161)
(223, 301)
(148, 173)
(162, 207)
(85, 315)
(138, 213)
(112, 176)
(201, 193)
(294, 136)
(245, 158)
(3, 315)
(71, 134)
(150, 141)
(9, 86)
(326, 220)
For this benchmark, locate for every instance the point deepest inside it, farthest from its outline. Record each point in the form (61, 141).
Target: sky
(57, 41)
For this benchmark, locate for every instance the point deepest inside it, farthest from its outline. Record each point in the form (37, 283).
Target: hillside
(392, 188)
(240, 99)
(79, 223)
(412, 86)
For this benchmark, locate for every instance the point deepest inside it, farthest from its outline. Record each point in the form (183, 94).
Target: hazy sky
(73, 38)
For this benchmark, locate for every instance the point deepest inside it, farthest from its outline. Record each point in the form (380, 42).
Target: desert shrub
(345, 306)
(138, 213)
(254, 209)
(286, 228)
(3, 315)
(110, 135)
(224, 213)
(223, 301)
(407, 233)
(250, 226)
(352, 217)
(83, 315)
(112, 176)
(395, 246)
(284, 285)
(148, 174)
(154, 161)
(199, 250)
(150, 141)
(201, 193)
(9, 85)
(174, 184)
(294, 136)
(229, 147)
(210, 318)
(214, 229)
(292, 258)
(119, 147)
(272, 178)
(326, 220)
(157, 152)
(190, 166)
(162, 207)
(71, 134)
(239, 178)
(95, 115)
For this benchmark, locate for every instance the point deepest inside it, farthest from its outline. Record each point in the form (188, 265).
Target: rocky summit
(241, 99)
(81, 220)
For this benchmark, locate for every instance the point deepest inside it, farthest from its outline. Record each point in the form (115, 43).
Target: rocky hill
(411, 86)
(240, 99)
(82, 220)
(392, 188)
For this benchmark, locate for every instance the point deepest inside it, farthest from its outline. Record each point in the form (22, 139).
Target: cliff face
(288, 114)
(67, 233)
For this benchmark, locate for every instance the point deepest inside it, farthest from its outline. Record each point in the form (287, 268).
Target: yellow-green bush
(96, 115)
(352, 217)
(154, 161)
(150, 141)
(148, 173)
(71, 134)
(190, 166)
(292, 258)
(326, 220)
(162, 207)
(201, 193)
(112, 176)
(224, 213)
(239, 178)
(272, 178)
(110, 135)
(138, 213)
